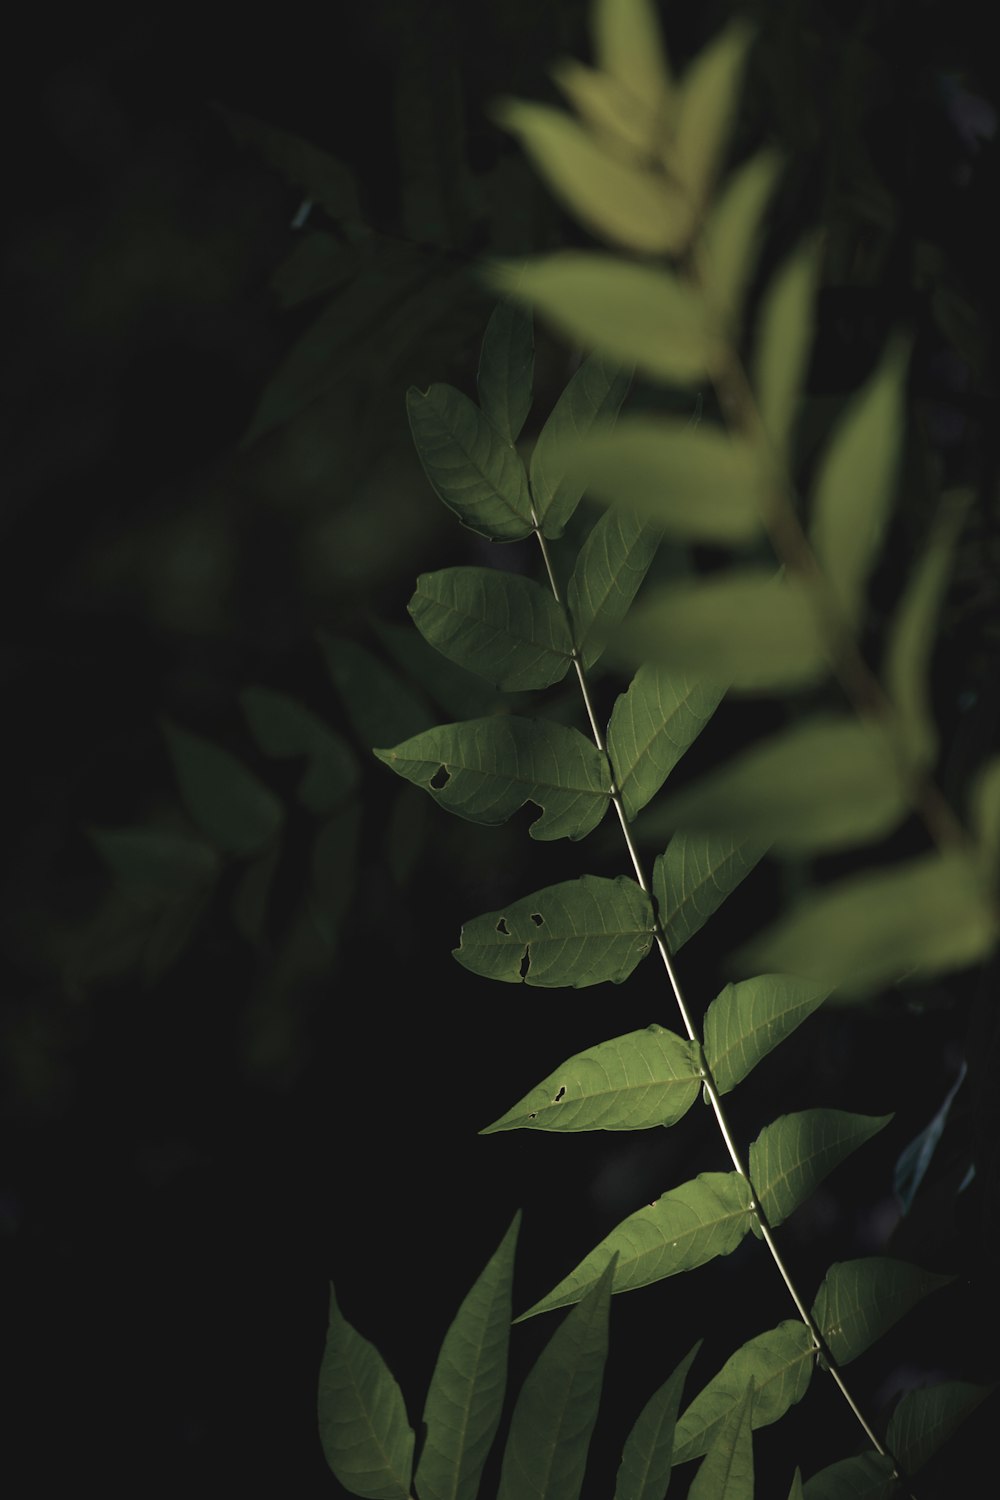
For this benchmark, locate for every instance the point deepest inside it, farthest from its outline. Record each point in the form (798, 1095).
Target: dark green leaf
(578, 933)
(860, 1300)
(461, 694)
(925, 1420)
(283, 727)
(726, 1472)
(867, 1476)
(696, 874)
(465, 1398)
(486, 769)
(795, 1493)
(633, 1082)
(792, 1155)
(506, 369)
(779, 1362)
(333, 871)
(362, 1420)
(250, 898)
(546, 1452)
(228, 803)
(686, 1227)
(749, 1019)
(322, 178)
(651, 726)
(380, 706)
(155, 867)
(592, 398)
(612, 563)
(644, 1472)
(503, 627)
(470, 467)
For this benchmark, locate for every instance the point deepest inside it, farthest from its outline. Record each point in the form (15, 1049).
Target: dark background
(211, 1107)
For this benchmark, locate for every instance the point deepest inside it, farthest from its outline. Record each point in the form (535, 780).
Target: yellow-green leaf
(793, 1154)
(783, 343)
(623, 123)
(733, 233)
(708, 98)
(628, 44)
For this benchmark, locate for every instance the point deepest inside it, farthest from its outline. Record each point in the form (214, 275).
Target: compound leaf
(612, 564)
(860, 1300)
(470, 467)
(793, 1154)
(503, 627)
(644, 1472)
(486, 769)
(506, 369)
(749, 1019)
(578, 933)
(592, 398)
(651, 726)
(695, 875)
(779, 1362)
(633, 1082)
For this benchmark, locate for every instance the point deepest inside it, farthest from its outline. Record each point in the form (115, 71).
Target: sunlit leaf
(726, 1472)
(578, 933)
(783, 343)
(924, 1420)
(749, 1019)
(465, 1397)
(380, 706)
(911, 635)
(470, 467)
(866, 1476)
(708, 98)
(792, 1155)
(503, 627)
(644, 1472)
(651, 726)
(633, 1082)
(745, 627)
(733, 234)
(617, 117)
(692, 481)
(506, 369)
(695, 875)
(611, 565)
(927, 915)
(283, 727)
(366, 1438)
(546, 1453)
(628, 205)
(825, 783)
(486, 769)
(592, 397)
(779, 1362)
(860, 1300)
(641, 315)
(233, 809)
(856, 481)
(985, 799)
(628, 44)
(686, 1227)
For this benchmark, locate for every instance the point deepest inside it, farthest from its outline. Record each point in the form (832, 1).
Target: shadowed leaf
(230, 805)
(860, 1300)
(925, 1420)
(470, 467)
(779, 1362)
(867, 1476)
(726, 1472)
(644, 1472)
(783, 342)
(749, 1019)
(733, 234)
(986, 816)
(695, 875)
(708, 98)
(283, 727)
(651, 726)
(503, 627)
(592, 398)
(612, 564)
(506, 369)
(366, 1438)
(792, 1155)
(381, 708)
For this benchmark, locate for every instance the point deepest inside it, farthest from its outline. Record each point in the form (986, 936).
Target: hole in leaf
(502, 927)
(441, 778)
(560, 1095)
(537, 918)
(525, 963)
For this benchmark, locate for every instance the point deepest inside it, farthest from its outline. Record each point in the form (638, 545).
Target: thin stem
(708, 1081)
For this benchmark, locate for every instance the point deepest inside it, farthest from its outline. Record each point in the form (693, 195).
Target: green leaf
(321, 177)
(745, 627)
(644, 1472)
(465, 1398)
(709, 96)
(795, 1493)
(633, 1082)
(928, 914)
(826, 783)
(911, 635)
(506, 369)
(860, 1300)
(470, 467)
(925, 1420)
(503, 627)
(459, 693)
(726, 1473)
(592, 398)
(154, 867)
(612, 564)
(651, 726)
(695, 875)
(690, 1225)
(792, 1155)
(366, 1438)
(692, 481)
(628, 45)
(784, 342)
(282, 727)
(749, 1019)
(486, 769)
(619, 120)
(546, 1452)
(985, 799)
(867, 1476)
(856, 481)
(733, 234)
(578, 933)
(641, 315)
(230, 806)
(779, 1362)
(379, 705)
(623, 203)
